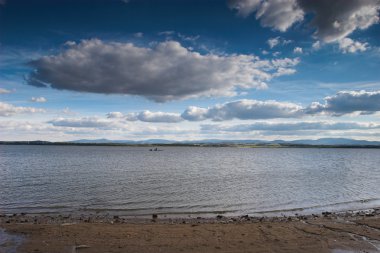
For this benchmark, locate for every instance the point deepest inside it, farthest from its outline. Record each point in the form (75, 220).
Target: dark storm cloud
(332, 19)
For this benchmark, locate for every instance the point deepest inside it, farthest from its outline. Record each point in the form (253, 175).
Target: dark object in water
(156, 149)
(154, 216)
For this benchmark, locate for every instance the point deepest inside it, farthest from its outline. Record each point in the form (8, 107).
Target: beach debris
(219, 216)
(68, 224)
(82, 246)
(245, 217)
(326, 214)
(78, 247)
(154, 216)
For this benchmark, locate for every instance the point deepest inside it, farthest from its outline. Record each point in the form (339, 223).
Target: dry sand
(325, 233)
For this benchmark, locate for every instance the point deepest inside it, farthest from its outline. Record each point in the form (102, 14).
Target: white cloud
(244, 110)
(156, 117)
(347, 45)
(346, 102)
(70, 43)
(284, 72)
(9, 109)
(188, 38)
(316, 45)
(115, 115)
(147, 116)
(85, 122)
(278, 14)
(166, 72)
(299, 126)
(39, 99)
(273, 42)
(4, 91)
(298, 50)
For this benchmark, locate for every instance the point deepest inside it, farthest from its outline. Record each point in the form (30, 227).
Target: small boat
(155, 149)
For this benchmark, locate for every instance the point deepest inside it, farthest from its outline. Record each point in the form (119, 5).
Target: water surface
(187, 180)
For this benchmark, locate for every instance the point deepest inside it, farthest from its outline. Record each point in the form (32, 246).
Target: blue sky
(237, 69)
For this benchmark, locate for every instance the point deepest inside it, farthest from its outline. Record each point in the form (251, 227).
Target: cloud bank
(9, 109)
(166, 72)
(243, 109)
(148, 116)
(344, 102)
(300, 126)
(85, 122)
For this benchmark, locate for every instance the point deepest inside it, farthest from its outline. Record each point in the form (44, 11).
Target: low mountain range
(322, 141)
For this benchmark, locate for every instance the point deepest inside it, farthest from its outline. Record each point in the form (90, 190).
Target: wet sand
(330, 232)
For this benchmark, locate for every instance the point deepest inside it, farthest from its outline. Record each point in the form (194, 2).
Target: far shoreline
(179, 144)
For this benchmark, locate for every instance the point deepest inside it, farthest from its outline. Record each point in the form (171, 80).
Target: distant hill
(323, 141)
(335, 141)
(319, 142)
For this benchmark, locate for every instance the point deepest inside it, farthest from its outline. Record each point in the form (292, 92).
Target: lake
(182, 181)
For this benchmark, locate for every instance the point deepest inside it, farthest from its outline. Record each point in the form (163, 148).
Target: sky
(189, 69)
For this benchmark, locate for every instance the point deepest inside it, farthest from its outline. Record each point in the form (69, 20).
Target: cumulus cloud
(298, 50)
(4, 91)
(244, 110)
(333, 20)
(299, 126)
(346, 102)
(278, 14)
(9, 109)
(147, 116)
(85, 122)
(343, 102)
(166, 72)
(348, 45)
(115, 115)
(273, 42)
(38, 99)
(157, 117)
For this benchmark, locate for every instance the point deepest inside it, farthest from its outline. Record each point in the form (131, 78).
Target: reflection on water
(183, 180)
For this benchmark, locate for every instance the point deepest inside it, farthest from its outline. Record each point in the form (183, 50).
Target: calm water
(187, 180)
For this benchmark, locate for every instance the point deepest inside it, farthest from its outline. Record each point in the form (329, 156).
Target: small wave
(316, 207)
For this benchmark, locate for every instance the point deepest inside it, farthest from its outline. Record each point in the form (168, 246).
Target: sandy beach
(327, 232)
